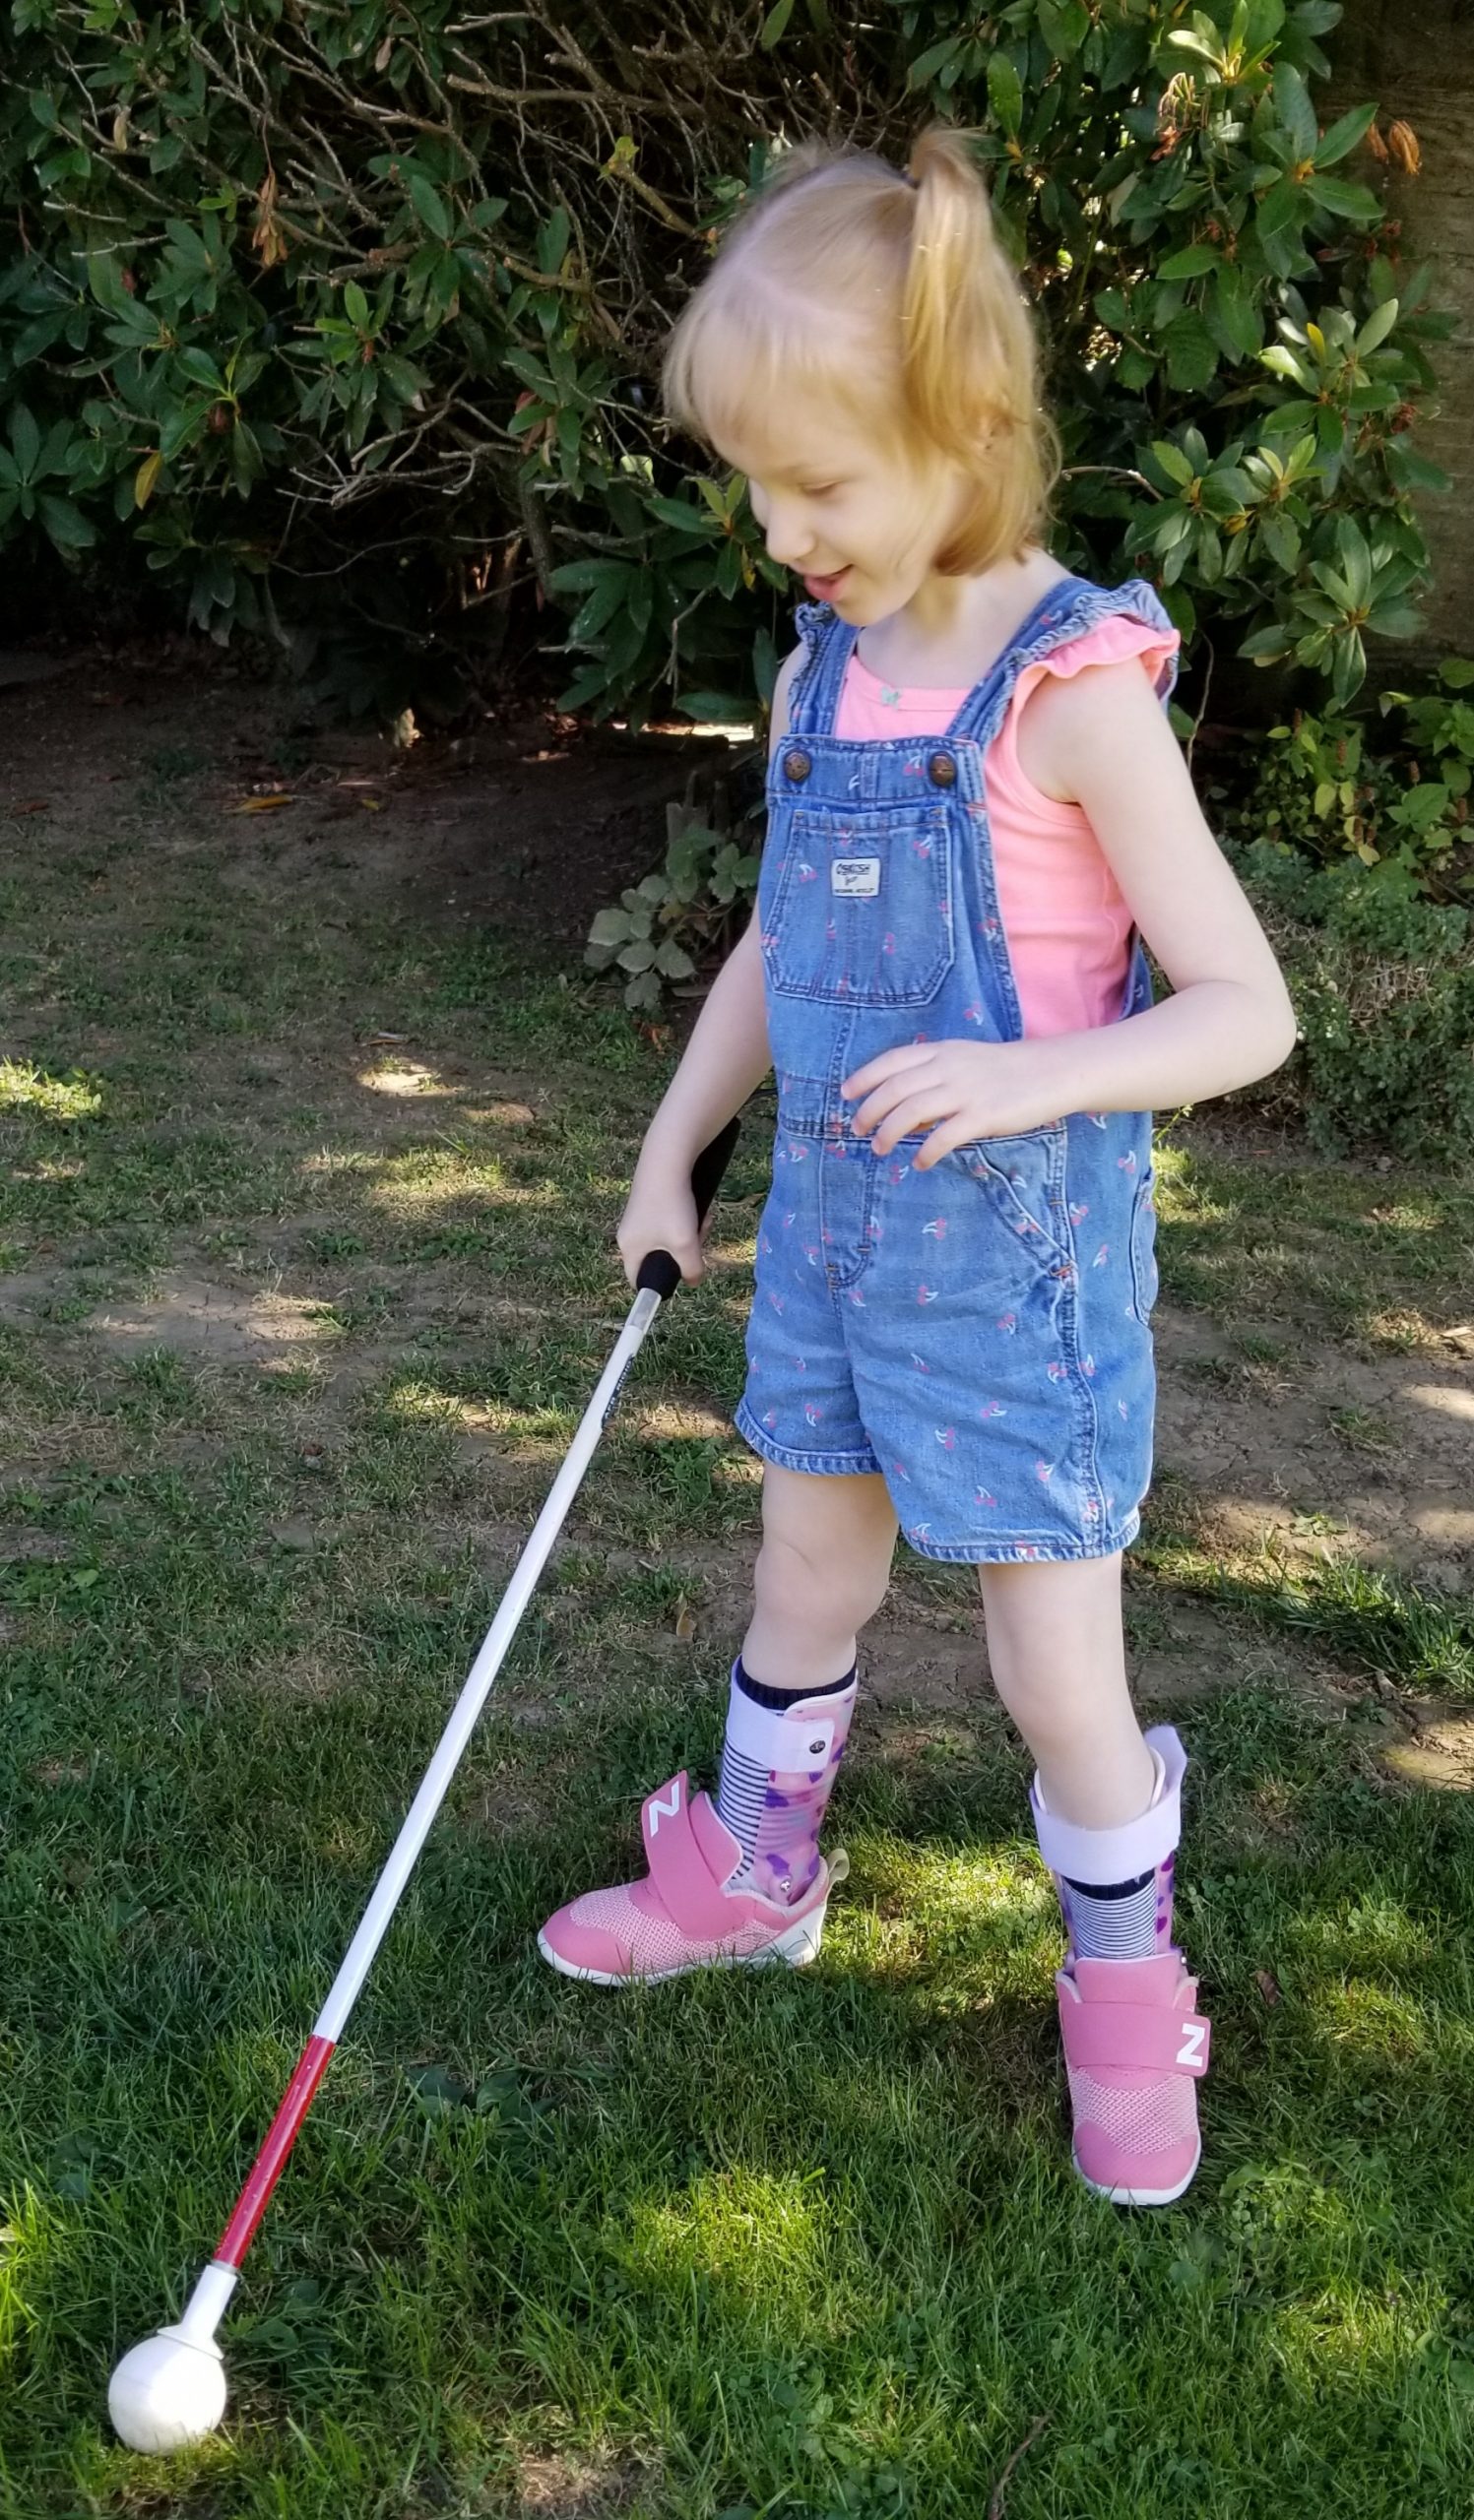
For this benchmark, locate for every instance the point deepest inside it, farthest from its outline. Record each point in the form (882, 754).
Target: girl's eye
(820, 489)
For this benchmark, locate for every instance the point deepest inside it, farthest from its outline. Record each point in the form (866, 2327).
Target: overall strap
(813, 698)
(1069, 610)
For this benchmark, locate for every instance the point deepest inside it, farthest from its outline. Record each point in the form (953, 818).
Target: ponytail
(968, 362)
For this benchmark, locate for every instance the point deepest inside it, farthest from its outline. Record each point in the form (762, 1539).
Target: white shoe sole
(797, 1948)
(1141, 2195)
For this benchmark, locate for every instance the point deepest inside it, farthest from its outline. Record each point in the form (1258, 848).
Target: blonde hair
(891, 297)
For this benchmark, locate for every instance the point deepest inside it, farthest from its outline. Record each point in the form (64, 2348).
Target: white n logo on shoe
(1191, 2052)
(660, 1811)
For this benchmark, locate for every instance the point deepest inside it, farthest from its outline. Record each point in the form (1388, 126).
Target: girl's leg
(742, 1880)
(822, 1573)
(1106, 1806)
(1057, 1653)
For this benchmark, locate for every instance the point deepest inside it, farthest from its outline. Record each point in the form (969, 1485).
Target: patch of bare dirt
(216, 1324)
(564, 2488)
(1382, 1448)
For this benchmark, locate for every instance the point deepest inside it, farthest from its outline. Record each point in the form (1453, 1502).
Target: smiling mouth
(825, 586)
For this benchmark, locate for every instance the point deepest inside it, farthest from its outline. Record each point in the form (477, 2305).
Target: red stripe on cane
(271, 2160)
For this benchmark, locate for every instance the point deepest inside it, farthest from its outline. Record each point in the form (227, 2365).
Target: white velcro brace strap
(788, 1739)
(1137, 1846)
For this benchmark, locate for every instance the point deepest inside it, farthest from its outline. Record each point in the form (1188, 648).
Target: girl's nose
(788, 537)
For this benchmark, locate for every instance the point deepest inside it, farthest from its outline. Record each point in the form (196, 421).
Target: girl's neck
(953, 629)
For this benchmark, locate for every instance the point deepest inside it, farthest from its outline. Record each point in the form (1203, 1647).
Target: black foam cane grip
(659, 1270)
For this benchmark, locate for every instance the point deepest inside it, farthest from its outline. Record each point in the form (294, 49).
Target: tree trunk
(1416, 57)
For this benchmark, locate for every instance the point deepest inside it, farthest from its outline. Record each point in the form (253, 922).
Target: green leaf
(1188, 264)
(721, 708)
(68, 527)
(1410, 471)
(1347, 201)
(1005, 95)
(927, 65)
(1395, 620)
(25, 438)
(1172, 461)
(1064, 24)
(675, 512)
(1231, 308)
(1293, 105)
(552, 242)
(1343, 135)
(1263, 646)
(1281, 207)
(1356, 559)
(430, 210)
(1283, 362)
(774, 24)
(201, 369)
(1192, 352)
(1376, 327)
(1281, 538)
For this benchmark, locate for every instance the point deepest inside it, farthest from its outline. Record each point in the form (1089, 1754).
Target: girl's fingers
(942, 1141)
(890, 1063)
(917, 1113)
(889, 1098)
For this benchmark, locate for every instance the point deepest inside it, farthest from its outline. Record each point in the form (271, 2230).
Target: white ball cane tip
(169, 2391)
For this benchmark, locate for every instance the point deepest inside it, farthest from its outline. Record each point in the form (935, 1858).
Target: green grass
(783, 2247)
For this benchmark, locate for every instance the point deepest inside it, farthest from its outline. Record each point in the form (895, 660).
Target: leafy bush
(1329, 791)
(1384, 988)
(352, 315)
(699, 899)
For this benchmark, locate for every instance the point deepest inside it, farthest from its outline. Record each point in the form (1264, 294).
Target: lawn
(306, 1221)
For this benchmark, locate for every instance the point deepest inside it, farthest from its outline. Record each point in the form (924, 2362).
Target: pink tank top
(1064, 916)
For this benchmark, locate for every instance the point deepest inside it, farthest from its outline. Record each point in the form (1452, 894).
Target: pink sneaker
(681, 1916)
(1135, 2050)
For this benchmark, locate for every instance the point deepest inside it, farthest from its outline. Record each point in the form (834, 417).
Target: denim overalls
(977, 1332)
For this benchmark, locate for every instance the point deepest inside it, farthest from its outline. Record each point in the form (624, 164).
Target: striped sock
(1113, 1920)
(774, 1801)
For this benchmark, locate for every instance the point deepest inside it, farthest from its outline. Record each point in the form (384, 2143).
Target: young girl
(976, 811)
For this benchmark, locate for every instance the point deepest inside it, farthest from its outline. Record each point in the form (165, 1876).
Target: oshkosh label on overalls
(859, 877)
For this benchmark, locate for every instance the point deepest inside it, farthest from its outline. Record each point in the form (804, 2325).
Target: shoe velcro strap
(678, 1868)
(1131, 2035)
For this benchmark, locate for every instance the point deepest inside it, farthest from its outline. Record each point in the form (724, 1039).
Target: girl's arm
(1101, 740)
(725, 1059)
(727, 1056)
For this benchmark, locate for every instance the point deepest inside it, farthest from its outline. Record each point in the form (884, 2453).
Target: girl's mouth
(824, 590)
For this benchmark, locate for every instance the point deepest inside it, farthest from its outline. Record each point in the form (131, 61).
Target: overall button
(942, 770)
(797, 767)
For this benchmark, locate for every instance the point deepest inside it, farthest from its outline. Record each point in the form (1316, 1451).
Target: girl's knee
(811, 1573)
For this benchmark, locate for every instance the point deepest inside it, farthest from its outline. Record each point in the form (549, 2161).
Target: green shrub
(1404, 802)
(1383, 986)
(341, 315)
(698, 899)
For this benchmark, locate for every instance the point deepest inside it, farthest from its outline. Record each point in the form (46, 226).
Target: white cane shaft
(359, 1957)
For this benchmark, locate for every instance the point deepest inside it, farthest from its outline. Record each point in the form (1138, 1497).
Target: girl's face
(859, 522)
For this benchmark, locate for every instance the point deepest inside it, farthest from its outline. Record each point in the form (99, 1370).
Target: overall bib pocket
(859, 911)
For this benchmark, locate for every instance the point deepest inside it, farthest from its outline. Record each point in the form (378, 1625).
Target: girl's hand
(973, 1089)
(661, 1215)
